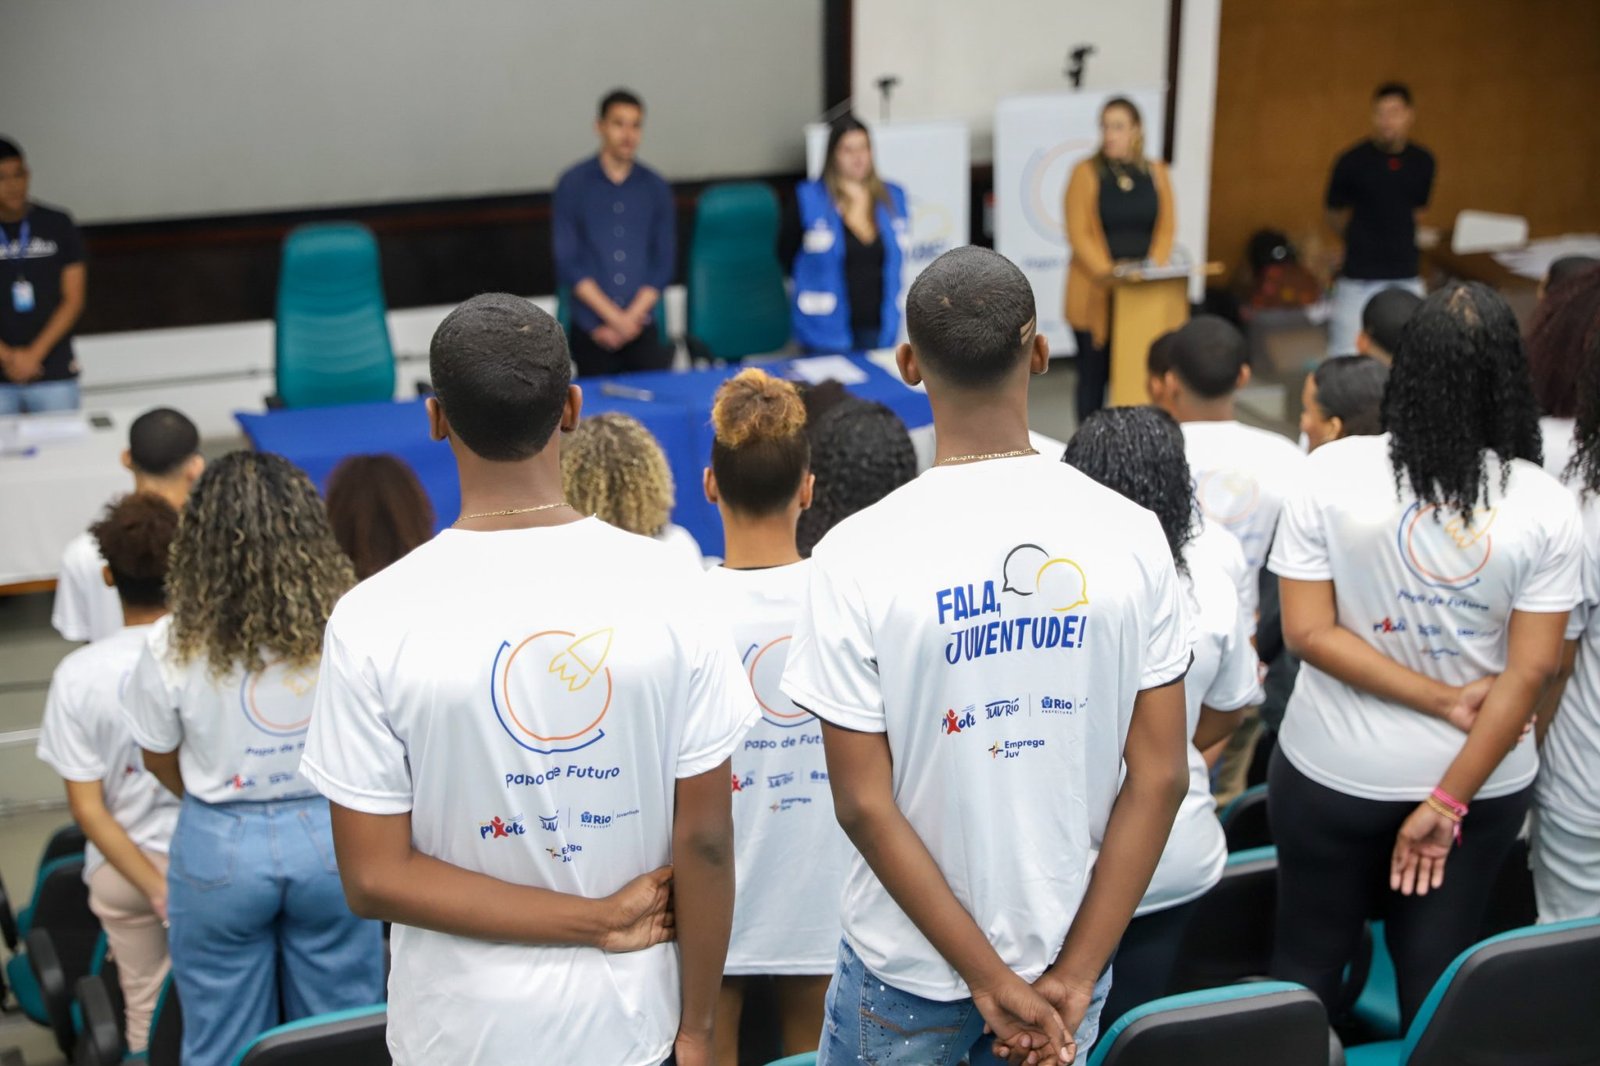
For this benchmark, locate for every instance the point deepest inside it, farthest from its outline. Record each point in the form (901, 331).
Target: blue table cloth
(678, 414)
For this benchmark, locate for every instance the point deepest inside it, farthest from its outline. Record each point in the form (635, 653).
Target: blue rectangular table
(679, 415)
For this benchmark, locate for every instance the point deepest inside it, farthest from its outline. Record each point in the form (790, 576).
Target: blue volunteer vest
(821, 307)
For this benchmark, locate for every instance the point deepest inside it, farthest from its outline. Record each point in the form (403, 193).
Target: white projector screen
(173, 108)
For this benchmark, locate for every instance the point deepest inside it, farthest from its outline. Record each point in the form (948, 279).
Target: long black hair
(1459, 387)
(860, 452)
(1139, 452)
(1584, 469)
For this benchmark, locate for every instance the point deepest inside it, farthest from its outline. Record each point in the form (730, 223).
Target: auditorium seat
(343, 1038)
(1244, 820)
(60, 905)
(1222, 1027)
(101, 1035)
(808, 1058)
(1528, 996)
(332, 335)
(58, 975)
(737, 302)
(1229, 936)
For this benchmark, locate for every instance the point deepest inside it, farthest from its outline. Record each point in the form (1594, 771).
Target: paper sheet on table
(883, 358)
(45, 428)
(1534, 259)
(815, 369)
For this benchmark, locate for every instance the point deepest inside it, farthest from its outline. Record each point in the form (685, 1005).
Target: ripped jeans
(870, 1022)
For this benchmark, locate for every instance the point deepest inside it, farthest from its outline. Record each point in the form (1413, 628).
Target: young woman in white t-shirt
(1566, 323)
(1426, 577)
(1139, 452)
(220, 701)
(123, 810)
(790, 855)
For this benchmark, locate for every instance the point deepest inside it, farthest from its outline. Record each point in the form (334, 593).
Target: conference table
(674, 405)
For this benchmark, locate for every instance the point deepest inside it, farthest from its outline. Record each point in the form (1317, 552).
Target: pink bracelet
(1451, 802)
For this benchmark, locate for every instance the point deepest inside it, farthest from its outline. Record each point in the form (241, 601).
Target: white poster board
(930, 161)
(1038, 139)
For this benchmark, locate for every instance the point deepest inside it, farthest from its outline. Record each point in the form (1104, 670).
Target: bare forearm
(107, 834)
(1345, 657)
(1215, 727)
(1498, 728)
(644, 301)
(1550, 699)
(601, 304)
(703, 876)
(164, 766)
(59, 325)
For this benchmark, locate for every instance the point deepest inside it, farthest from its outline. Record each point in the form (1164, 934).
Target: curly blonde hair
(611, 467)
(255, 570)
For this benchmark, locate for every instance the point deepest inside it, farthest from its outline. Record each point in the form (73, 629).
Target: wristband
(1447, 806)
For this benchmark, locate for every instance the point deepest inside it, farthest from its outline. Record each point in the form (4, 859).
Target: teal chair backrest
(353, 1037)
(737, 302)
(332, 335)
(1220, 1025)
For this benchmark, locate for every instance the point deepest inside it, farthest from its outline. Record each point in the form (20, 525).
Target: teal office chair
(354, 1037)
(1528, 996)
(737, 302)
(1223, 1027)
(100, 1037)
(60, 908)
(808, 1058)
(332, 337)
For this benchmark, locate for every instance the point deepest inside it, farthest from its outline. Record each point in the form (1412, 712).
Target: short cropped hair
(620, 97)
(500, 370)
(970, 316)
(1393, 88)
(9, 149)
(1159, 361)
(1350, 388)
(1207, 353)
(161, 440)
(135, 538)
(1386, 315)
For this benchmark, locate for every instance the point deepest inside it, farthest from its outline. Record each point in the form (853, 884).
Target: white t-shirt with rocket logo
(531, 697)
(1241, 476)
(996, 620)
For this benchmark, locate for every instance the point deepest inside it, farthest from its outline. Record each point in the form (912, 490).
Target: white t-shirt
(84, 737)
(1569, 777)
(1223, 677)
(791, 857)
(531, 697)
(680, 539)
(1415, 584)
(241, 734)
(1558, 444)
(1241, 477)
(1218, 548)
(85, 608)
(996, 620)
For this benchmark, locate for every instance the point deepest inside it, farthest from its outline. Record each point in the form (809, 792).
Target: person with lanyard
(616, 247)
(1119, 212)
(1426, 577)
(846, 242)
(973, 643)
(1375, 195)
(219, 701)
(524, 727)
(125, 813)
(41, 267)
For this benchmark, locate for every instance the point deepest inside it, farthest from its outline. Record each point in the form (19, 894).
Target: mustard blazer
(1089, 273)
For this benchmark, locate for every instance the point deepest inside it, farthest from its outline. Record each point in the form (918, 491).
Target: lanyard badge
(22, 300)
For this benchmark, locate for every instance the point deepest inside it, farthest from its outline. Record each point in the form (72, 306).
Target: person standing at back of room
(1376, 193)
(616, 247)
(163, 454)
(45, 281)
(989, 648)
(521, 724)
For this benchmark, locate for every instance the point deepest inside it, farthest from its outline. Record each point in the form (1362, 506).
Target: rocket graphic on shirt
(577, 663)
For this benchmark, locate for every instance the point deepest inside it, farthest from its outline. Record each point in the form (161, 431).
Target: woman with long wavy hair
(1426, 578)
(220, 702)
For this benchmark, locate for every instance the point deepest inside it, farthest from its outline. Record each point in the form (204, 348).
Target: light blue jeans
(40, 396)
(257, 913)
(1349, 299)
(870, 1021)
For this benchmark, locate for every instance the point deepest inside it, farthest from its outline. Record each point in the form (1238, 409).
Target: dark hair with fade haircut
(9, 149)
(135, 537)
(500, 370)
(1159, 361)
(1393, 88)
(1385, 315)
(970, 316)
(161, 440)
(1139, 453)
(1350, 388)
(619, 97)
(1207, 353)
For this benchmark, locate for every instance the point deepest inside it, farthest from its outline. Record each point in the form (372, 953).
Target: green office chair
(737, 302)
(332, 337)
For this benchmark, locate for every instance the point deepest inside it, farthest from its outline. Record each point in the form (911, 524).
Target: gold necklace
(1124, 179)
(509, 511)
(987, 455)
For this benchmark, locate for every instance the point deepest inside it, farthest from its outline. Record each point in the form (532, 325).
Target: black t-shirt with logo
(53, 245)
(1383, 191)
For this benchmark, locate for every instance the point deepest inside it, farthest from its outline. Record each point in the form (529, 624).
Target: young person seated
(613, 468)
(378, 511)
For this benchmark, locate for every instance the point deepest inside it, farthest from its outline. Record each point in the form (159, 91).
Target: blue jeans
(1349, 297)
(258, 915)
(869, 1021)
(40, 396)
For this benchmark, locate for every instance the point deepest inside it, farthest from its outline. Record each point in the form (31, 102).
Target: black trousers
(1333, 876)
(1142, 968)
(644, 352)
(1094, 373)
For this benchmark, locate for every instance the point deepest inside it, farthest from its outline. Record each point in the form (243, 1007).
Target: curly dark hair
(860, 452)
(135, 538)
(1584, 468)
(1459, 387)
(255, 569)
(1139, 452)
(1565, 324)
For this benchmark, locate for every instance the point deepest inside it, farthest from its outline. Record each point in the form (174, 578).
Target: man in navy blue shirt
(615, 247)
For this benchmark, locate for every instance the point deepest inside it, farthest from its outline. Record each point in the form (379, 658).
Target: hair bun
(754, 406)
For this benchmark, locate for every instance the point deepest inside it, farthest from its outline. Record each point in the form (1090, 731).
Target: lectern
(1145, 303)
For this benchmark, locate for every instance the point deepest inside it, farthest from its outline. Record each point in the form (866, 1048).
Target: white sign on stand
(1038, 139)
(930, 161)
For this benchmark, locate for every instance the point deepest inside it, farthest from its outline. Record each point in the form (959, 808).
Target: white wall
(164, 108)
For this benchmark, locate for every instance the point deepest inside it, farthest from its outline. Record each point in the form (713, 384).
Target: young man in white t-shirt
(520, 725)
(988, 647)
(163, 454)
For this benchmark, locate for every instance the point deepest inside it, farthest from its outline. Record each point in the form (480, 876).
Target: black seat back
(1229, 936)
(100, 1041)
(1245, 822)
(346, 1038)
(68, 840)
(61, 941)
(1272, 1022)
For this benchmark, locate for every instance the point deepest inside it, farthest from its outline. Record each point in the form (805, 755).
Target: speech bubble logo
(1021, 569)
(1062, 581)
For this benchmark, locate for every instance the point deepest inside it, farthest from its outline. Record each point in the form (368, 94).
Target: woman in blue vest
(852, 229)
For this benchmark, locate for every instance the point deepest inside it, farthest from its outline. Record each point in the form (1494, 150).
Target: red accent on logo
(736, 786)
(951, 725)
(497, 826)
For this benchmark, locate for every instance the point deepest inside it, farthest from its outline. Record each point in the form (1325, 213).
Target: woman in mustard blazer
(1119, 209)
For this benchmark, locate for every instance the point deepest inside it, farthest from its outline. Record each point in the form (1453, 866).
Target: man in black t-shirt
(42, 282)
(1377, 190)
